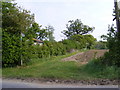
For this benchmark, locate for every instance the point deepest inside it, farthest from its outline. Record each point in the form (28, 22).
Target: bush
(14, 50)
(11, 50)
(113, 42)
(49, 49)
(100, 45)
(84, 41)
(16, 21)
(71, 44)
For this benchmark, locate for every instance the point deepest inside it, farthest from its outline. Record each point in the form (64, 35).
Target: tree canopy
(76, 28)
(16, 21)
(19, 28)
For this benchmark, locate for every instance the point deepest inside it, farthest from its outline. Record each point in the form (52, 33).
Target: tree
(42, 34)
(112, 57)
(111, 37)
(90, 41)
(16, 21)
(85, 40)
(50, 31)
(76, 28)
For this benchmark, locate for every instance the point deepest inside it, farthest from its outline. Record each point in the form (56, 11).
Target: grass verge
(97, 70)
(54, 68)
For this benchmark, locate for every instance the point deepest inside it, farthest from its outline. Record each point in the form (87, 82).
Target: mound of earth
(84, 57)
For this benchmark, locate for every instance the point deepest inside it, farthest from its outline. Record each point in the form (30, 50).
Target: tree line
(19, 28)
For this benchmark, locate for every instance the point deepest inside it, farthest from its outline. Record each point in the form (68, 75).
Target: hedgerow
(18, 30)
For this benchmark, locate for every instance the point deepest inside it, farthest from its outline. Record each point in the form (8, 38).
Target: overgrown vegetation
(18, 30)
(109, 64)
(14, 22)
(112, 58)
(100, 45)
(101, 70)
(54, 68)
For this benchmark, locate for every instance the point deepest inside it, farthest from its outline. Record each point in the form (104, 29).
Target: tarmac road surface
(20, 84)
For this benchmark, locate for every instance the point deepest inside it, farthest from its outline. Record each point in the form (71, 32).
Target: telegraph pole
(117, 15)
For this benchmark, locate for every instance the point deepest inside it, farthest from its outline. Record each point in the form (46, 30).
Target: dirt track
(84, 57)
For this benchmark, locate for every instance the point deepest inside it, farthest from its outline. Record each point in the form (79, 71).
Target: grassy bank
(54, 68)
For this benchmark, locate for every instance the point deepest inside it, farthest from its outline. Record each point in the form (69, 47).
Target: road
(20, 84)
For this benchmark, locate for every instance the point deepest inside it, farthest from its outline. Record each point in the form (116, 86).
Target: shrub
(100, 45)
(11, 55)
(49, 49)
(14, 50)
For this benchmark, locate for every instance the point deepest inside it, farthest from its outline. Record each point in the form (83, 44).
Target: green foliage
(79, 42)
(99, 70)
(15, 47)
(11, 50)
(85, 41)
(36, 31)
(71, 44)
(76, 28)
(42, 34)
(26, 51)
(80, 39)
(90, 41)
(19, 29)
(14, 50)
(112, 57)
(49, 49)
(15, 19)
(54, 68)
(100, 45)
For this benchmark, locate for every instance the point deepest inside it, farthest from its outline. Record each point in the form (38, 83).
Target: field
(61, 68)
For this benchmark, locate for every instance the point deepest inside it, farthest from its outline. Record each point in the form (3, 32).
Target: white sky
(94, 13)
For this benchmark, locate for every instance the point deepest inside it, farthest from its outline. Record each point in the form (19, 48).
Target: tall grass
(54, 68)
(98, 70)
(51, 67)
